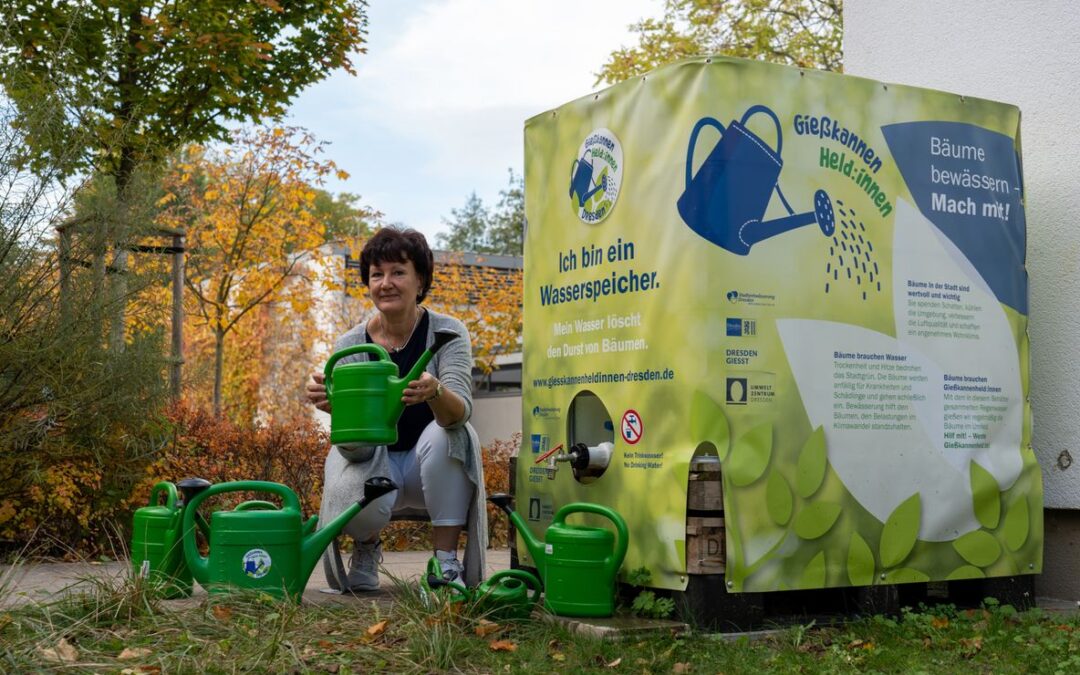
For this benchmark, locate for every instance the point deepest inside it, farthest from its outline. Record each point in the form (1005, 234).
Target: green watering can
(509, 594)
(156, 552)
(578, 564)
(258, 546)
(365, 397)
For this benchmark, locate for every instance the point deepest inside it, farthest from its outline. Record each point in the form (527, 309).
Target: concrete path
(40, 582)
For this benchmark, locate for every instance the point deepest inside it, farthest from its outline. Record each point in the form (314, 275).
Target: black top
(416, 417)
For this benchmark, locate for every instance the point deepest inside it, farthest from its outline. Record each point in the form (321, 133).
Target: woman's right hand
(316, 392)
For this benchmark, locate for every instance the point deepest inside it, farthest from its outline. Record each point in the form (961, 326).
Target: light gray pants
(427, 478)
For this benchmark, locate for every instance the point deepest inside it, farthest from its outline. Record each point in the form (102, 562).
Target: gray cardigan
(344, 480)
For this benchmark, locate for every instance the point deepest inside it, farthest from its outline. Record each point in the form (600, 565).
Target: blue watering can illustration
(581, 181)
(726, 200)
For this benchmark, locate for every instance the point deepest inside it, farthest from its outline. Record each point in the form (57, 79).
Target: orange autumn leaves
(251, 232)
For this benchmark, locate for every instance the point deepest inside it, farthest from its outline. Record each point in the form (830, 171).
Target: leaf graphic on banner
(965, 572)
(708, 423)
(750, 456)
(860, 561)
(778, 498)
(814, 574)
(905, 575)
(987, 498)
(901, 530)
(810, 472)
(816, 519)
(1016, 524)
(978, 548)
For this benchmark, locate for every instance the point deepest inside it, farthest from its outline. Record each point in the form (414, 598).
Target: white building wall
(1025, 53)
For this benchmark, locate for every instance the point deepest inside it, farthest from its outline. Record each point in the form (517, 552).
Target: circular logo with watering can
(257, 563)
(596, 175)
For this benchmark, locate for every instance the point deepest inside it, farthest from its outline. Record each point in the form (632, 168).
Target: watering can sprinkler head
(375, 488)
(190, 487)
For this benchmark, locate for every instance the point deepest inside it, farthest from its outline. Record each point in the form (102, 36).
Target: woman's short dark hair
(391, 244)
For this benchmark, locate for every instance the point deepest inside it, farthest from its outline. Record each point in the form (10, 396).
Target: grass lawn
(119, 627)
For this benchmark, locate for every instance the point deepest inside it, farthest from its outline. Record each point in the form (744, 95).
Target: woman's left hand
(421, 390)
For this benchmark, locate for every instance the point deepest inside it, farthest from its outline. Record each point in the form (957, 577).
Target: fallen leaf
(614, 664)
(557, 656)
(333, 667)
(326, 645)
(222, 613)
(63, 652)
(5, 619)
(940, 622)
(486, 628)
(971, 646)
(681, 668)
(377, 629)
(133, 653)
(141, 670)
(502, 646)
(855, 644)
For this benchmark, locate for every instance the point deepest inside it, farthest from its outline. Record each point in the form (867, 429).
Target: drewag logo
(595, 176)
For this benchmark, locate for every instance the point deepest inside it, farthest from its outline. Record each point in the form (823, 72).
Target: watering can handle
(530, 580)
(762, 109)
(702, 123)
(170, 494)
(256, 505)
(620, 525)
(366, 348)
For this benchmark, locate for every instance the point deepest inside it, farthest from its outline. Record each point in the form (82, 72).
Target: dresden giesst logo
(595, 175)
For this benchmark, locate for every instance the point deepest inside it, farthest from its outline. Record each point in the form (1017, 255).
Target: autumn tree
(132, 81)
(248, 210)
(475, 228)
(803, 33)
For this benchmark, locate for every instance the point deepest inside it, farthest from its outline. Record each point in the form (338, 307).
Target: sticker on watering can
(595, 176)
(257, 563)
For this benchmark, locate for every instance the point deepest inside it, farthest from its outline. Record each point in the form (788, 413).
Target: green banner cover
(820, 280)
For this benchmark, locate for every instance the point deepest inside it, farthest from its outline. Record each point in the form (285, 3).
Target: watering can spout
(397, 385)
(315, 543)
(535, 546)
(822, 215)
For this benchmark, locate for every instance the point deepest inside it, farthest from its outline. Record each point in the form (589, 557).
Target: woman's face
(394, 286)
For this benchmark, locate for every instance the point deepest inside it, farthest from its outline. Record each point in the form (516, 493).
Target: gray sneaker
(451, 569)
(364, 567)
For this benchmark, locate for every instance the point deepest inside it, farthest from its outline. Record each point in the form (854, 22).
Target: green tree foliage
(133, 80)
(344, 217)
(477, 229)
(128, 82)
(804, 33)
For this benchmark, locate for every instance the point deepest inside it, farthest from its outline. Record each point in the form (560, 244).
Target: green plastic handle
(366, 348)
(621, 543)
(256, 504)
(170, 497)
(530, 580)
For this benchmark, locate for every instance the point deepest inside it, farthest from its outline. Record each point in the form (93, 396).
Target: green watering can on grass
(365, 397)
(156, 548)
(579, 564)
(508, 594)
(258, 546)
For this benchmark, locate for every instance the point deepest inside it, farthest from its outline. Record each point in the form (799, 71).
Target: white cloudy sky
(437, 108)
